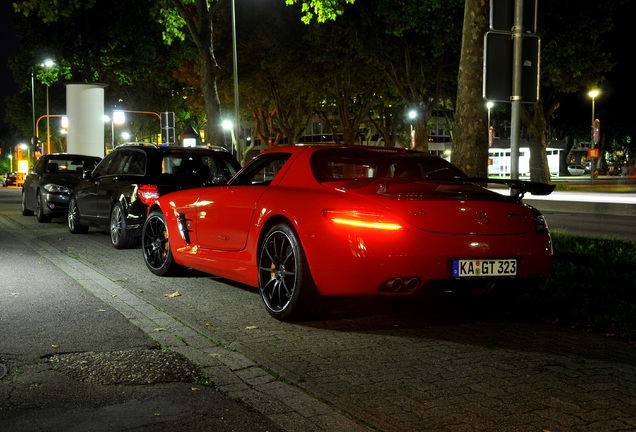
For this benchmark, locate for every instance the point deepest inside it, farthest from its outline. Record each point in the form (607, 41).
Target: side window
(262, 170)
(135, 163)
(109, 164)
(117, 164)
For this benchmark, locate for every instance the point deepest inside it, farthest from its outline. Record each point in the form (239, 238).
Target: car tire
(119, 236)
(25, 212)
(285, 282)
(39, 210)
(155, 244)
(73, 218)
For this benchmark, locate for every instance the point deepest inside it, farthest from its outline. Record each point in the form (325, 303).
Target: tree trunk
(535, 123)
(470, 138)
(209, 69)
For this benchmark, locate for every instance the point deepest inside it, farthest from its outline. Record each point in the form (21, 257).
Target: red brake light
(362, 219)
(148, 194)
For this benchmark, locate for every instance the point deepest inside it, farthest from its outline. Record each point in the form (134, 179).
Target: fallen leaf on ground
(174, 294)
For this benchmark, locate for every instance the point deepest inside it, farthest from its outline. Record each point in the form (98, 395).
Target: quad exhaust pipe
(401, 285)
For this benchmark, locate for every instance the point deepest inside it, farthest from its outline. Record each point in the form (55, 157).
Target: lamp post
(235, 73)
(491, 134)
(593, 95)
(228, 126)
(119, 117)
(412, 116)
(48, 63)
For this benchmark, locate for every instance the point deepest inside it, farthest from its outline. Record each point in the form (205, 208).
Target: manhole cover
(3, 370)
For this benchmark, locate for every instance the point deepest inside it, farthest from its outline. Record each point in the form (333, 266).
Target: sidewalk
(73, 363)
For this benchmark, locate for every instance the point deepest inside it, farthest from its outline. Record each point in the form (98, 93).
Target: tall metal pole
(34, 139)
(515, 118)
(593, 168)
(236, 91)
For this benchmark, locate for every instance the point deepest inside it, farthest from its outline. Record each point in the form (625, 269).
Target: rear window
(68, 165)
(351, 164)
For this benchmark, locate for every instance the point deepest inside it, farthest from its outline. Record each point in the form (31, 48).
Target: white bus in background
(499, 161)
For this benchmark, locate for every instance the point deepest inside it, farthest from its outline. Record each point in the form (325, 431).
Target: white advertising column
(85, 112)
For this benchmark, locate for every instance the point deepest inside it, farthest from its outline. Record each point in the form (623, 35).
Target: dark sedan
(117, 193)
(9, 179)
(47, 186)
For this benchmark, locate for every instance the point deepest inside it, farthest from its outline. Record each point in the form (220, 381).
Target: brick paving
(372, 364)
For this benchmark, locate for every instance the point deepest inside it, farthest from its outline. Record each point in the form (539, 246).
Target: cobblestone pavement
(372, 364)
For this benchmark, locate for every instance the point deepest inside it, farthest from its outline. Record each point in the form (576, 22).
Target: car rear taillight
(362, 219)
(148, 194)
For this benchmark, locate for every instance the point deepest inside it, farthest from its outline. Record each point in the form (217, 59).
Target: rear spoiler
(518, 188)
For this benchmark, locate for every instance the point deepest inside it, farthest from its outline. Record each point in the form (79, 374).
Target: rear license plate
(484, 267)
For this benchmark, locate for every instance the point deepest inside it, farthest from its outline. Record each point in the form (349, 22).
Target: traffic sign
(167, 127)
(597, 131)
(498, 68)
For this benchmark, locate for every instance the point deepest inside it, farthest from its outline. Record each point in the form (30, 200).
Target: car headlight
(53, 188)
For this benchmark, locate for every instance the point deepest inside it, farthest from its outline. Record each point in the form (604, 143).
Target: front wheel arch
(155, 245)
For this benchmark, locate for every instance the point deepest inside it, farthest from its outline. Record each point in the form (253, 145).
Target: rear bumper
(369, 263)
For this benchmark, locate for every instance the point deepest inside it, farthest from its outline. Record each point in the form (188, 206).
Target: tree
(572, 60)
(415, 45)
(470, 143)
(118, 55)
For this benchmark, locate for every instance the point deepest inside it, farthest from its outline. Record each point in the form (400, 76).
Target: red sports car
(303, 222)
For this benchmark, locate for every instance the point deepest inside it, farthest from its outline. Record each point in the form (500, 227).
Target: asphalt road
(372, 364)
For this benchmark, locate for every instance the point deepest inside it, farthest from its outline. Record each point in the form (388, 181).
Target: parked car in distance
(47, 186)
(305, 222)
(9, 179)
(116, 194)
(577, 170)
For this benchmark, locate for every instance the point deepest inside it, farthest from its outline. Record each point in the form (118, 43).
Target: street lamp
(119, 117)
(412, 116)
(593, 95)
(491, 134)
(228, 126)
(48, 63)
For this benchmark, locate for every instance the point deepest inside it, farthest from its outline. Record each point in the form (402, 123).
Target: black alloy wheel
(285, 283)
(119, 237)
(73, 218)
(39, 210)
(25, 212)
(155, 244)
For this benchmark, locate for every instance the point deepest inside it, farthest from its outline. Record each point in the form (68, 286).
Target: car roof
(170, 148)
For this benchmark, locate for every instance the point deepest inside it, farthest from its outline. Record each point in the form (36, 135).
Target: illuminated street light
(412, 116)
(48, 63)
(593, 95)
(229, 126)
